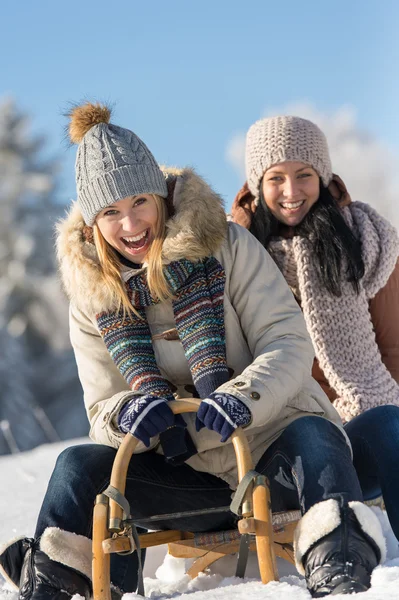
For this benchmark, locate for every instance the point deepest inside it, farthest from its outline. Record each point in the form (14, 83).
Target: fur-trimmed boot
(56, 566)
(337, 547)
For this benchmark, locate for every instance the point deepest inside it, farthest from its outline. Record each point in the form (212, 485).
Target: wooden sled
(268, 536)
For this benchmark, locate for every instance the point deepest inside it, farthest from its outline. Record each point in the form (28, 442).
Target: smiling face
(129, 226)
(290, 189)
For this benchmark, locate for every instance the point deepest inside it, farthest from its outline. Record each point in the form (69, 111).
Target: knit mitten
(222, 413)
(145, 416)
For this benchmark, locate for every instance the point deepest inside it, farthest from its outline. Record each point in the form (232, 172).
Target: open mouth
(292, 206)
(136, 243)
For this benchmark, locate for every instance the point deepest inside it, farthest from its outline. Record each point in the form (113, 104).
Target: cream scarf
(340, 328)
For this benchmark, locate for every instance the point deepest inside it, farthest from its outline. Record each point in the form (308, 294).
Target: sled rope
(117, 497)
(240, 492)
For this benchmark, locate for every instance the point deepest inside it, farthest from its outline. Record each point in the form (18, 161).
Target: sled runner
(114, 531)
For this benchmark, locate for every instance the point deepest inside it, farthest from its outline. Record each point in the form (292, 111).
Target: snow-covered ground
(24, 479)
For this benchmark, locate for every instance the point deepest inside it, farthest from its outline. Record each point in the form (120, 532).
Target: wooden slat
(285, 551)
(284, 534)
(187, 549)
(122, 543)
(203, 563)
(101, 562)
(264, 533)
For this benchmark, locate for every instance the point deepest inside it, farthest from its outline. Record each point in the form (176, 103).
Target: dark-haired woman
(340, 259)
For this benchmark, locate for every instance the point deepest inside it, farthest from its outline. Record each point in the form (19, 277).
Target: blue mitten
(145, 416)
(222, 413)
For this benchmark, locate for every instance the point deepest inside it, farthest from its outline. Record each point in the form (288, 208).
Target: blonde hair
(111, 265)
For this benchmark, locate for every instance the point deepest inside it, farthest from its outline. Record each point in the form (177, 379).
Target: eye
(139, 201)
(110, 212)
(304, 175)
(275, 178)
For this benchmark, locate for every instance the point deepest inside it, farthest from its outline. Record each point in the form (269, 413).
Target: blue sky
(186, 76)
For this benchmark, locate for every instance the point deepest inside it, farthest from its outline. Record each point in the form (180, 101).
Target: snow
(25, 476)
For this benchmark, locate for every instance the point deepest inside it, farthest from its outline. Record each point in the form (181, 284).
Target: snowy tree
(40, 395)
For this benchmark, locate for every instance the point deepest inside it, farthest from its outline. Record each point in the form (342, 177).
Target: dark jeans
(308, 463)
(374, 436)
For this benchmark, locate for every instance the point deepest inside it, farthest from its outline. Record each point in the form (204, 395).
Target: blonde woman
(169, 301)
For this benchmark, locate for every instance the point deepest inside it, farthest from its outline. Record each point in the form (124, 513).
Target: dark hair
(332, 241)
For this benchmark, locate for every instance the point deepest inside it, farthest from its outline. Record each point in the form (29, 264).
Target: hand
(145, 416)
(222, 413)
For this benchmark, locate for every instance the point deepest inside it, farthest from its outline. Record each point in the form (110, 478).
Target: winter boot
(12, 557)
(56, 566)
(337, 547)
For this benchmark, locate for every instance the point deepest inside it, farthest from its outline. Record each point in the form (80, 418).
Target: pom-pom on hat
(278, 139)
(111, 163)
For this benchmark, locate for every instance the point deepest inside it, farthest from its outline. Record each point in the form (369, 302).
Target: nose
(290, 188)
(129, 221)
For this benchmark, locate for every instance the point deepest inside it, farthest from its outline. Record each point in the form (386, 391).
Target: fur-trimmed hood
(195, 230)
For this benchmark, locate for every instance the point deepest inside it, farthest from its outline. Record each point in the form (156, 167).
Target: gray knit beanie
(279, 139)
(111, 163)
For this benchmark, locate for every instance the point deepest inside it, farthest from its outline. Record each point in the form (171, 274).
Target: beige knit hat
(279, 139)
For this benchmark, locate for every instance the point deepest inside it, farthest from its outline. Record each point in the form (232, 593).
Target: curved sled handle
(129, 443)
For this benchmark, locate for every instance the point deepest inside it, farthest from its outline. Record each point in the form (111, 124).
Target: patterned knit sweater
(340, 327)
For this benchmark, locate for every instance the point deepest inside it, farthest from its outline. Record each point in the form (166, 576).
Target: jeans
(308, 463)
(374, 436)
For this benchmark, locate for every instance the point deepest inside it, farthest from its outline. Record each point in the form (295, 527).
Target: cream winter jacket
(268, 349)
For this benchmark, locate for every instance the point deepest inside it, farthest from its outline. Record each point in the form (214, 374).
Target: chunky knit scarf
(198, 290)
(340, 327)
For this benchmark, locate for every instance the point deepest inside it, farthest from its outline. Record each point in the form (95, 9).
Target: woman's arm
(105, 390)
(273, 326)
(384, 312)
